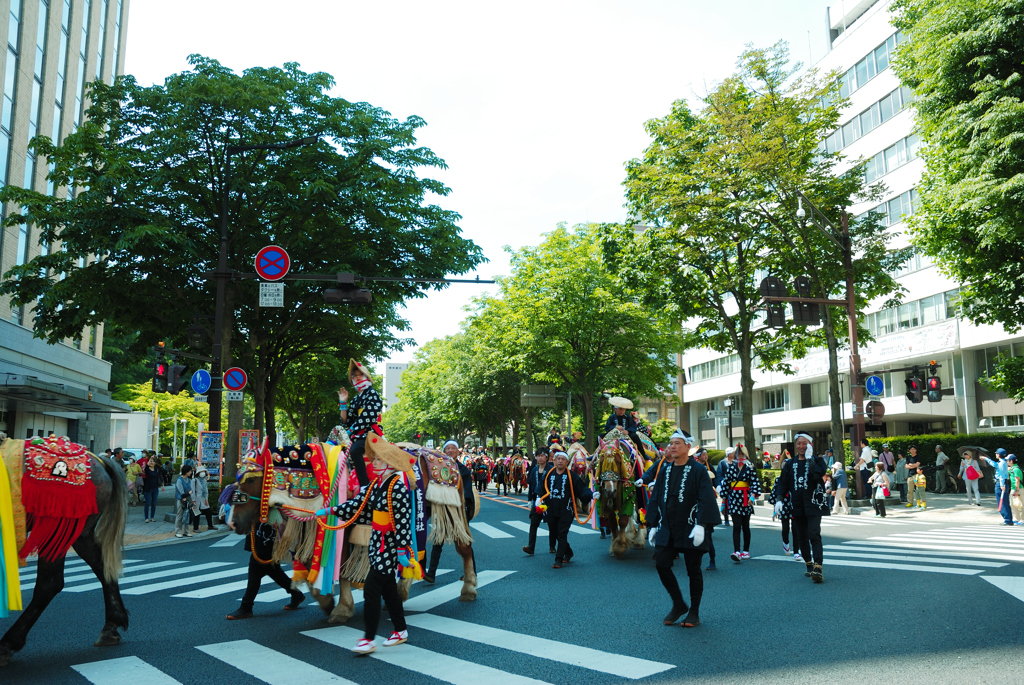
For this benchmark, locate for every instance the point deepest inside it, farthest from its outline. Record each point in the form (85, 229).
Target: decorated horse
(578, 461)
(54, 496)
(286, 486)
(518, 473)
(614, 469)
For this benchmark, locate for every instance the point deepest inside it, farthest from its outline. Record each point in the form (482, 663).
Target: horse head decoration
(614, 469)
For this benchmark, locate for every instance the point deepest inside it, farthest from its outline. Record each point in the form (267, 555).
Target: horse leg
(326, 602)
(618, 546)
(116, 614)
(468, 572)
(49, 583)
(345, 608)
(403, 588)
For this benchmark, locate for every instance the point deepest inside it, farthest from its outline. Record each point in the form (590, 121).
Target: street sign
(235, 396)
(235, 379)
(271, 294)
(199, 398)
(538, 396)
(211, 452)
(875, 385)
(272, 263)
(874, 411)
(201, 382)
(724, 413)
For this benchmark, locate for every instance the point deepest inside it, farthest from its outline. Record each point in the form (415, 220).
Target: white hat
(620, 402)
(729, 450)
(684, 436)
(450, 442)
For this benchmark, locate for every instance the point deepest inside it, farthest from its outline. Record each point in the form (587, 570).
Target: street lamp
(223, 275)
(727, 403)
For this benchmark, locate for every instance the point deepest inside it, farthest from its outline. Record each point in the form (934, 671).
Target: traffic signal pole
(856, 377)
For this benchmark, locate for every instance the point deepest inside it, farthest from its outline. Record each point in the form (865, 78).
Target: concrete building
(878, 126)
(392, 382)
(54, 49)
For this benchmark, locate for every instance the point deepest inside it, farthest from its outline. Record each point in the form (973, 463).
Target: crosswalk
(963, 550)
(274, 666)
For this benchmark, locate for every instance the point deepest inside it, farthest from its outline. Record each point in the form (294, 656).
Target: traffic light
(177, 375)
(160, 375)
(934, 389)
(804, 313)
(348, 296)
(915, 388)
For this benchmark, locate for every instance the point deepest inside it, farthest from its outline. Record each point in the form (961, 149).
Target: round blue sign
(201, 382)
(875, 385)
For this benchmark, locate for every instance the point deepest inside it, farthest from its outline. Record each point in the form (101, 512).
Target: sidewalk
(952, 508)
(138, 532)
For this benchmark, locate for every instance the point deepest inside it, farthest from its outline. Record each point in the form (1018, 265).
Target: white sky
(535, 106)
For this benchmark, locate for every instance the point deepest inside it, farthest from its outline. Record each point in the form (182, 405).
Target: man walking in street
(803, 480)
(730, 453)
(913, 462)
(865, 465)
(561, 488)
(534, 484)
(182, 502)
(1002, 484)
(940, 470)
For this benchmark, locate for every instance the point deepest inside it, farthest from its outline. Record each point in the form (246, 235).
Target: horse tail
(110, 527)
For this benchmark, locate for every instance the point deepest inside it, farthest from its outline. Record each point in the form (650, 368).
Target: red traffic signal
(160, 376)
(915, 390)
(934, 389)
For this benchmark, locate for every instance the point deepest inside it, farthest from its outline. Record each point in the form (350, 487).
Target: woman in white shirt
(880, 482)
(864, 466)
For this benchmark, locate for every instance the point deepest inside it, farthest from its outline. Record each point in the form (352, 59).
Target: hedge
(1013, 443)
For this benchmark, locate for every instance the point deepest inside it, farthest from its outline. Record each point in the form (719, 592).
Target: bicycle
(953, 482)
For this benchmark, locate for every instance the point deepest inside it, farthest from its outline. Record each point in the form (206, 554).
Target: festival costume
(785, 515)
(260, 542)
(804, 481)
(363, 417)
(559, 490)
(682, 498)
(436, 548)
(740, 487)
(535, 484)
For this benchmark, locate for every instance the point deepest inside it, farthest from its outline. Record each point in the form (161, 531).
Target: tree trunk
(750, 440)
(232, 458)
(268, 414)
(834, 396)
(587, 399)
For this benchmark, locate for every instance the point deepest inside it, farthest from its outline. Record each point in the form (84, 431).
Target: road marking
(446, 593)
(899, 557)
(574, 655)
(993, 554)
(421, 661)
(229, 540)
(150, 576)
(878, 564)
(220, 589)
(30, 575)
(523, 526)
(948, 542)
(1012, 585)
(128, 669)
(869, 547)
(509, 504)
(268, 665)
(90, 575)
(489, 530)
(156, 587)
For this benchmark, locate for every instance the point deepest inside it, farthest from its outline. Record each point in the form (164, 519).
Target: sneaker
(528, 550)
(711, 567)
(364, 646)
(188, 535)
(397, 638)
(877, 515)
(178, 535)
(744, 555)
(786, 549)
(736, 556)
(239, 614)
(909, 504)
(797, 557)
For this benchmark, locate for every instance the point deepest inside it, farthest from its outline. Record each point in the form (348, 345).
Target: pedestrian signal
(160, 376)
(934, 389)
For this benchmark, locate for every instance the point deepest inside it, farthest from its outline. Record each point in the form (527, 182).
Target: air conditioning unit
(985, 423)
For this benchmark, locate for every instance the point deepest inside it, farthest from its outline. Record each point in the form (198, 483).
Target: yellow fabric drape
(13, 454)
(8, 538)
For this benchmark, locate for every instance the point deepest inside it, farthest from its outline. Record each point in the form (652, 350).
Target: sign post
(211, 452)
(272, 263)
(235, 379)
(201, 382)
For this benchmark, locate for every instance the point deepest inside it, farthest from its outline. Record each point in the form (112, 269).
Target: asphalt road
(911, 603)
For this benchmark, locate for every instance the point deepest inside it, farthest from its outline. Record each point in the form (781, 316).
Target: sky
(535, 106)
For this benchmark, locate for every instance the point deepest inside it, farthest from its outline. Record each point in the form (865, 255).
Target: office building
(392, 382)
(54, 49)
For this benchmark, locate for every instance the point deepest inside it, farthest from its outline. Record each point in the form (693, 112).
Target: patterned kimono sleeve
(370, 406)
(402, 512)
(755, 483)
(347, 510)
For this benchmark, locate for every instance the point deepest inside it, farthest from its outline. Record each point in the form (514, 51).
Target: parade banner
(211, 453)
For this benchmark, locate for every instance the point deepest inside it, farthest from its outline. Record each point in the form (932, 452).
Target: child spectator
(919, 488)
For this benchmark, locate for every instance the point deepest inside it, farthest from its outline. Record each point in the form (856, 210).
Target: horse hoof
(6, 654)
(468, 595)
(107, 640)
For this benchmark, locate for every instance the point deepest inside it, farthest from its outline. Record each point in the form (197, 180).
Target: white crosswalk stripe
(269, 665)
(89, 575)
(830, 561)
(574, 655)
(446, 593)
(129, 669)
(229, 540)
(422, 661)
(489, 530)
(574, 528)
(69, 569)
(220, 589)
(131, 579)
(181, 582)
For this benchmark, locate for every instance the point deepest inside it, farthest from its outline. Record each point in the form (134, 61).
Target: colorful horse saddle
(57, 460)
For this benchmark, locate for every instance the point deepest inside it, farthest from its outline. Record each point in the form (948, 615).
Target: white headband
(450, 442)
(558, 454)
(684, 436)
(803, 435)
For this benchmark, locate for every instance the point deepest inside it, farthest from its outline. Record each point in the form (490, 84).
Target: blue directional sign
(201, 382)
(875, 385)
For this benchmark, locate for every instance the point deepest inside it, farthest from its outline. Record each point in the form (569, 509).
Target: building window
(103, 40)
(92, 340)
(715, 368)
(774, 399)
(909, 316)
(819, 394)
(874, 63)
(10, 84)
(117, 39)
(892, 158)
(893, 211)
(83, 46)
(37, 90)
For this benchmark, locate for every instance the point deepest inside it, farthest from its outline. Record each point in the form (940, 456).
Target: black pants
(879, 507)
(559, 524)
(741, 523)
(480, 484)
(708, 530)
(535, 521)
(902, 487)
(809, 530)
(785, 535)
(381, 585)
(435, 559)
(355, 454)
(256, 573)
(725, 509)
(208, 513)
(663, 560)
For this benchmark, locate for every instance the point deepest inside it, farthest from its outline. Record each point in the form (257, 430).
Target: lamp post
(728, 405)
(223, 275)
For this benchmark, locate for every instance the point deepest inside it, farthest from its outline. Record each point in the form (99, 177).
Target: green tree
(126, 366)
(140, 397)
(150, 177)
(567, 320)
(307, 395)
(962, 58)
(717, 189)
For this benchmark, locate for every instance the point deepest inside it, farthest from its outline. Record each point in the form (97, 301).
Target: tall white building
(392, 382)
(877, 126)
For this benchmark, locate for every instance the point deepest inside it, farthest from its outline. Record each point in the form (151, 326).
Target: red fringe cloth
(52, 536)
(56, 515)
